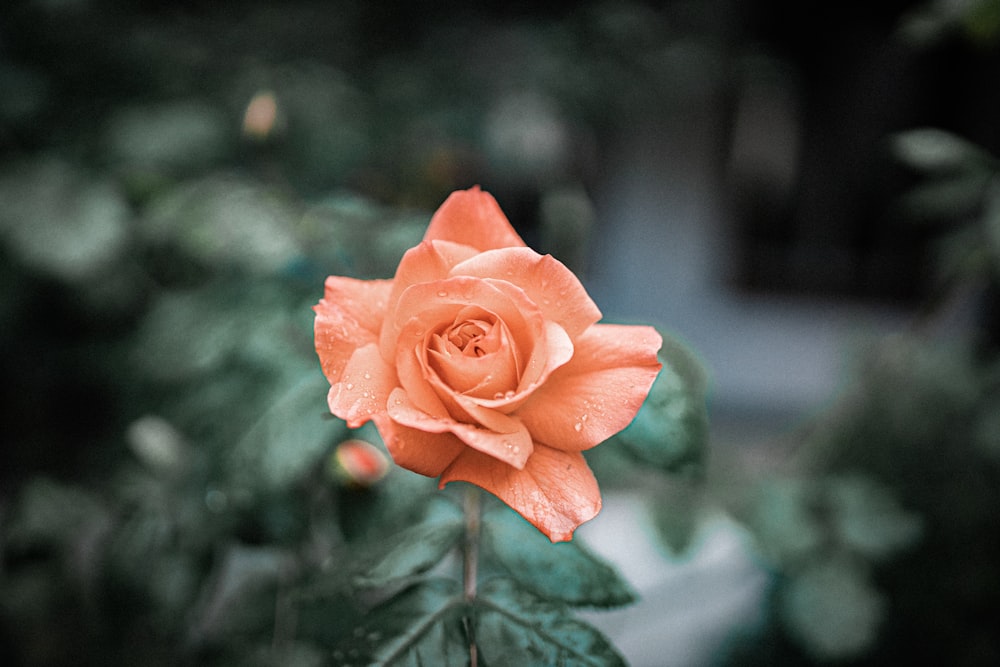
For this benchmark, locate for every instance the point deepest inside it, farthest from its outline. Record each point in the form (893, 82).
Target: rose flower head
(483, 361)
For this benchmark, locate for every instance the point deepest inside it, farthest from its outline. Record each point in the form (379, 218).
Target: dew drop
(368, 376)
(584, 417)
(578, 427)
(515, 449)
(498, 395)
(349, 385)
(442, 293)
(509, 393)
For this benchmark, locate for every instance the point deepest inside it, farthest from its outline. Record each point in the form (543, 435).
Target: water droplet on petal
(578, 427)
(349, 385)
(442, 293)
(368, 376)
(515, 449)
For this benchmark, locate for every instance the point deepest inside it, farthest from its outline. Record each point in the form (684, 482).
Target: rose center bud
(476, 357)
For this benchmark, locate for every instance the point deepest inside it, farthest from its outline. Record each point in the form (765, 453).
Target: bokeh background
(806, 195)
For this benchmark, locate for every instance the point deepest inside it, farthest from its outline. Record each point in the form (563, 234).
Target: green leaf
(420, 627)
(671, 429)
(832, 609)
(868, 517)
(417, 548)
(564, 571)
(291, 436)
(676, 516)
(514, 628)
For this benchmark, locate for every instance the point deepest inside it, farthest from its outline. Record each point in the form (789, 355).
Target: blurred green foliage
(881, 524)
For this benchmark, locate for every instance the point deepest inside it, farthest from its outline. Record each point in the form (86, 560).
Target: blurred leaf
(226, 221)
(671, 429)
(60, 221)
(951, 197)
(421, 626)
(417, 548)
(832, 609)
(239, 597)
(934, 150)
(783, 520)
(49, 514)
(868, 518)
(288, 439)
(676, 517)
(174, 136)
(514, 628)
(565, 571)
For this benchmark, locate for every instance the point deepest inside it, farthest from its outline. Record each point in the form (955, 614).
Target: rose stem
(471, 562)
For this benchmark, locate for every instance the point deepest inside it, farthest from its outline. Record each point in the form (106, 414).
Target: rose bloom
(482, 361)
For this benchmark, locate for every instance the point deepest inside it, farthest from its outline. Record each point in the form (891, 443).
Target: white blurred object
(689, 605)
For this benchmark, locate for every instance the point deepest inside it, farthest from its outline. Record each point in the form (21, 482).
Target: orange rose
(483, 361)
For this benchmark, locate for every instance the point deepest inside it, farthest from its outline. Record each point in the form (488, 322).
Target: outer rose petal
(556, 491)
(363, 390)
(422, 452)
(473, 217)
(349, 316)
(505, 439)
(599, 391)
(546, 281)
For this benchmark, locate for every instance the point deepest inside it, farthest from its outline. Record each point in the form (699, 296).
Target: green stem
(471, 561)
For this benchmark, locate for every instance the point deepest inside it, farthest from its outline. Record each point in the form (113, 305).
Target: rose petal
(430, 308)
(428, 262)
(599, 391)
(555, 491)
(420, 451)
(553, 287)
(558, 350)
(489, 369)
(349, 315)
(505, 439)
(364, 386)
(473, 217)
